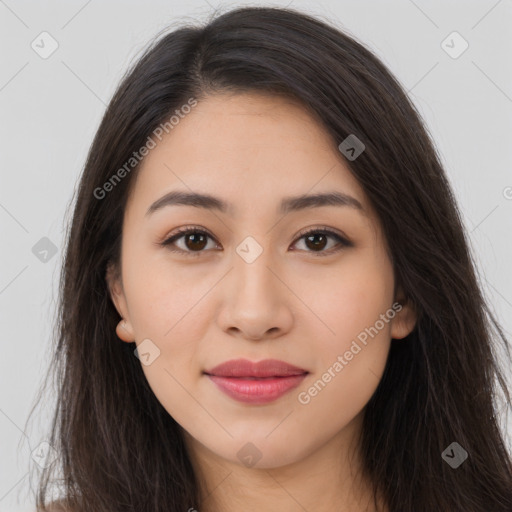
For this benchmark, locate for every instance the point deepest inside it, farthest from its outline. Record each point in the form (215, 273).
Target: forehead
(250, 149)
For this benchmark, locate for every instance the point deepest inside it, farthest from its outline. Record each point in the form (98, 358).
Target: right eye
(194, 245)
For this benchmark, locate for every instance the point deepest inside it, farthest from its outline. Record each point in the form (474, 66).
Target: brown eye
(316, 241)
(195, 240)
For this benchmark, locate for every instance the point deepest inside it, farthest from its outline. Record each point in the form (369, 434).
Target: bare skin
(295, 302)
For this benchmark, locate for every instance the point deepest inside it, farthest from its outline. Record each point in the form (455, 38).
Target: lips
(263, 369)
(256, 383)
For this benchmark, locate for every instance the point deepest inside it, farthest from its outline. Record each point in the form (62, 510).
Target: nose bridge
(251, 271)
(255, 302)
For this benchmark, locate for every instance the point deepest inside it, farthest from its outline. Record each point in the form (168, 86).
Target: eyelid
(343, 240)
(327, 230)
(180, 232)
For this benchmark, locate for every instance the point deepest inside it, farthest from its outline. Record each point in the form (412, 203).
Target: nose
(256, 303)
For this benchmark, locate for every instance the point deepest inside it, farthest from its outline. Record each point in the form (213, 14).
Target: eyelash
(193, 229)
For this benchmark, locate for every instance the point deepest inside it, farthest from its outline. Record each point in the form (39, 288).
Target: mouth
(268, 368)
(256, 383)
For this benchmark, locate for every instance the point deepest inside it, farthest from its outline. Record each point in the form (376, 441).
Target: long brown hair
(118, 449)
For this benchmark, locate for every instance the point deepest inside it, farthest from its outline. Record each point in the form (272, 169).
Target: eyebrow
(288, 204)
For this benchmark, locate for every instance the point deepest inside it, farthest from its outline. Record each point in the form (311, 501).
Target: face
(310, 285)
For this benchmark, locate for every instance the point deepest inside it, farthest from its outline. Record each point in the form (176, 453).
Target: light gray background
(50, 109)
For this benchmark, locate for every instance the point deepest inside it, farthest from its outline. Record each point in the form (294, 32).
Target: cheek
(166, 308)
(352, 356)
(354, 302)
(353, 359)
(163, 294)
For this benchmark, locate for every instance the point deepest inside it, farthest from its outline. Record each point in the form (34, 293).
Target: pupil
(194, 237)
(316, 245)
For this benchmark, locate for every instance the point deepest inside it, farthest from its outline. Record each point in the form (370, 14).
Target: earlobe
(405, 320)
(124, 329)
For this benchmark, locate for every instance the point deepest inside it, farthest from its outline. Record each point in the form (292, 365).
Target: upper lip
(246, 368)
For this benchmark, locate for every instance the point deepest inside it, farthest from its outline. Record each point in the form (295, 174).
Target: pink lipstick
(256, 383)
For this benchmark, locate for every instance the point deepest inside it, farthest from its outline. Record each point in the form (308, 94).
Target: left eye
(317, 239)
(196, 240)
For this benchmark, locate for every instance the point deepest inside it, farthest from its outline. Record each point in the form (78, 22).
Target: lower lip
(257, 391)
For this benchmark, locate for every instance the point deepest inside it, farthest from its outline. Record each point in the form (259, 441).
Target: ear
(405, 319)
(124, 328)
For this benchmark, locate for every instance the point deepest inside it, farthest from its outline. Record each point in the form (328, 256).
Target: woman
(264, 217)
